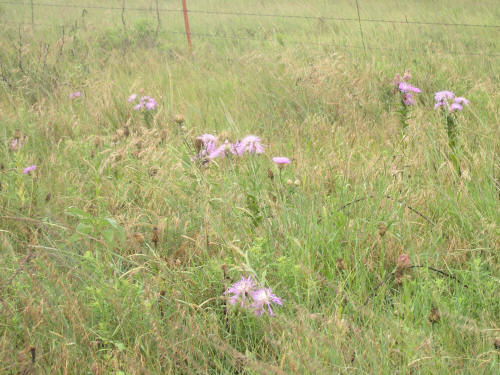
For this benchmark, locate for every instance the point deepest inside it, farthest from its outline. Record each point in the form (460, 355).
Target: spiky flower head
(446, 99)
(240, 290)
(251, 144)
(29, 169)
(281, 161)
(262, 299)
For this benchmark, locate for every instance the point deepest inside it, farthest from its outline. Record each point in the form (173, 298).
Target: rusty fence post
(186, 24)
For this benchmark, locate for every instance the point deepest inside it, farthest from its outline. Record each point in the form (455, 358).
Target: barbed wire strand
(287, 41)
(249, 14)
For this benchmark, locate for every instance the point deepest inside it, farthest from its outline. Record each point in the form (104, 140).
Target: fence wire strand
(250, 14)
(386, 50)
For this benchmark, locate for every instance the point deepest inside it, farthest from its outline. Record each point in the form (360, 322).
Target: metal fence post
(186, 24)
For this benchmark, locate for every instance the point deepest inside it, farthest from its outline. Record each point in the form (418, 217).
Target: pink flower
(408, 99)
(263, 298)
(75, 95)
(461, 100)
(145, 102)
(209, 144)
(29, 169)
(151, 104)
(443, 95)
(15, 144)
(443, 99)
(406, 88)
(241, 289)
(281, 161)
(220, 152)
(250, 144)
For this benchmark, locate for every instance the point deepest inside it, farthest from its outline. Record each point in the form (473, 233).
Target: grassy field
(381, 237)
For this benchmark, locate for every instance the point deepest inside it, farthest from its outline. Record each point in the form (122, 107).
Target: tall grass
(117, 249)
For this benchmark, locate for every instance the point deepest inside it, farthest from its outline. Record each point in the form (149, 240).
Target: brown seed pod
(340, 264)
(382, 229)
(155, 237)
(497, 343)
(198, 144)
(434, 316)
(270, 173)
(179, 118)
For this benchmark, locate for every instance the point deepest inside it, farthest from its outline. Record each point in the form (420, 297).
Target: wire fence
(359, 20)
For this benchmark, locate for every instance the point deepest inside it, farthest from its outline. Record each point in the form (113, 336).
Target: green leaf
(84, 228)
(108, 236)
(76, 212)
(112, 222)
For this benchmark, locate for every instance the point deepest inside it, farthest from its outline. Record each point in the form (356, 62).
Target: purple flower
(441, 96)
(241, 289)
(408, 99)
(15, 144)
(221, 151)
(151, 104)
(236, 148)
(406, 88)
(145, 102)
(281, 161)
(75, 95)
(443, 99)
(263, 298)
(250, 144)
(29, 169)
(209, 143)
(461, 100)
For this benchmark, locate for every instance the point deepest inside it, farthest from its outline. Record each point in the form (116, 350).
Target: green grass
(116, 251)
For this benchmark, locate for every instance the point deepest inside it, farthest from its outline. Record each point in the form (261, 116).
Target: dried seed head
(497, 343)
(382, 228)
(139, 237)
(153, 171)
(17, 134)
(33, 354)
(403, 265)
(340, 264)
(403, 262)
(47, 197)
(434, 316)
(154, 236)
(126, 131)
(270, 173)
(179, 118)
(198, 144)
